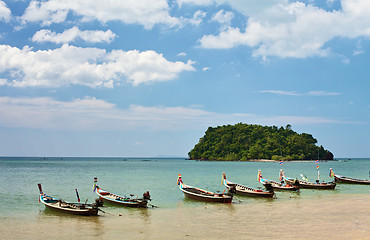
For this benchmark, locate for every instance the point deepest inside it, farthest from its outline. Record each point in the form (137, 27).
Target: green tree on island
(245, 142)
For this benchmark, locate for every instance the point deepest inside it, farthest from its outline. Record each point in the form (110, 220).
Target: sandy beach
(337, 217)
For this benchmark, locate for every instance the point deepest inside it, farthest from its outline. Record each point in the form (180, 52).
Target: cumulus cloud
(3, 82)
(251, 8)
(195, 2)
(230, 37)
(197, 18)
(144, 12)
(5, 12)
(73, 34)
(94, 114)
(291, 29)
(92, 67)
(223, 17)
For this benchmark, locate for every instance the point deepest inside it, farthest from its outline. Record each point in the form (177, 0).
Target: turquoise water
(60, 176)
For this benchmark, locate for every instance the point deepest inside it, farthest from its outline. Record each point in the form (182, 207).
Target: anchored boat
(248, 191)
(343, 179)
(310, 185)
(279, 186)
(121, 200)
(203, 195)
(68, 207)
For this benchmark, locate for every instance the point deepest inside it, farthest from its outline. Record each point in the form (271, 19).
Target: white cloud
(294, 93)
(5, 12)
(92, 67)
(195, 2)
(251, 8)
(47, 113)
(94, 114)
(359, 48)
(91, 113)
(345, 60)
(73, 34)
(279, 92)
(3, 82)
(197, 17)
(292, 29)
(230, 37)
(144, 12)
(223, 17)
(358, 52)
(330, 2)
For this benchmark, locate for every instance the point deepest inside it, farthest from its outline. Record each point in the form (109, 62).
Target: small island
(245, 142)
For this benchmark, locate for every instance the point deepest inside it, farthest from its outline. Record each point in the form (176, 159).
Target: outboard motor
(98, 202)
(232, 190)
(146, 196)
(296, 182)
(268, 187)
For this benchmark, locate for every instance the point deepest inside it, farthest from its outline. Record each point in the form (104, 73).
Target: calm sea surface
(21, 212)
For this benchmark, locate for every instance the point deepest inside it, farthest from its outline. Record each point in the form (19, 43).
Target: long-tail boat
(248, 191)
(310, 185)
(68, 207)
(203, 195)
(126, 201)
(342, 179)
(278, 186)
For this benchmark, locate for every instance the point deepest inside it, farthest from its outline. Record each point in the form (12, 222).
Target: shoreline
(329, 217)
(260, 160)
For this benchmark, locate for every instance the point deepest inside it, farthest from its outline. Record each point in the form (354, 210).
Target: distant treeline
(246, 142)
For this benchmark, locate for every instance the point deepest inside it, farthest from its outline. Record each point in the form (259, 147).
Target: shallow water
(340, 214)
(337, 217)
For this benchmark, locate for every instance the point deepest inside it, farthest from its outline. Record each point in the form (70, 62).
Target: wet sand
(335, 217)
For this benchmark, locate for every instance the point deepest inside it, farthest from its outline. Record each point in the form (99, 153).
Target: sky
(146, 78)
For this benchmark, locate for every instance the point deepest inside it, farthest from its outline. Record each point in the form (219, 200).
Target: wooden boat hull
(215, 198)
(203, 195)
(309, 185)
(243, 190)
(342, 179)
(70, 208)
(278, 186)
(247, 191)
(120, 200)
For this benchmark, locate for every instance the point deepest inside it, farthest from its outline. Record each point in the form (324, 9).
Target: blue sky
(146, 78)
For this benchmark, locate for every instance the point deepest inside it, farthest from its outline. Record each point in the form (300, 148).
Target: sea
(343, 213)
